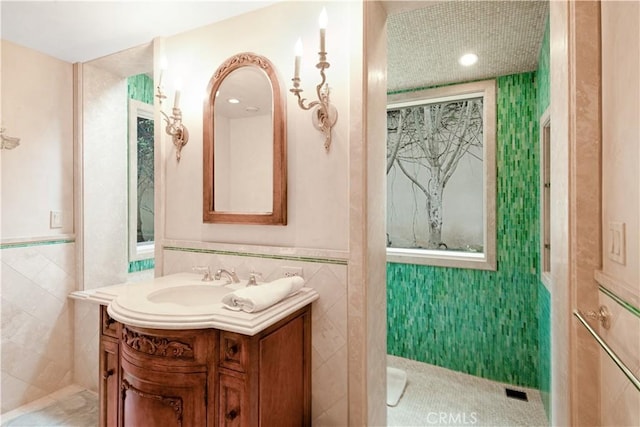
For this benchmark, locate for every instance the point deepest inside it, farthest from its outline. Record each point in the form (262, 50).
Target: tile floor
(434, 396)
(71, 406)
(437, 396)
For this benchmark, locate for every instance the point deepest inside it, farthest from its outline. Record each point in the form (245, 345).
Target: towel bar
(634, 380)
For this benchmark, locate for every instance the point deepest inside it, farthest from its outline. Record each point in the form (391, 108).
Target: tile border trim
(41, 242)
(630, 307)
(258, 255)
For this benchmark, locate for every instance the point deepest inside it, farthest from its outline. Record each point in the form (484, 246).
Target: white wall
(251, 165)
(37, 176)
(36, 274)
(222, 175)
(104, 175)
(318, 201)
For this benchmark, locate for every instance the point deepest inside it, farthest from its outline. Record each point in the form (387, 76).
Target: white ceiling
(425, 38)
(80, 31)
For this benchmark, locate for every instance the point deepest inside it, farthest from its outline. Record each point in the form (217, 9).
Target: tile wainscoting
(37, 319)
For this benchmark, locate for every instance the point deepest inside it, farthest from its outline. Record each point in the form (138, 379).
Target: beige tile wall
(585, 204)
(37, 321)
(620, 400)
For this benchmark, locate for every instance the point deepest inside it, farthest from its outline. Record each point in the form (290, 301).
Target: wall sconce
(179, 133)
(8, 142)
(323, 115)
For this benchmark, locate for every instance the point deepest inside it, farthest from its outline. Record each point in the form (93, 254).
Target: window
(441, 176)
(545, 197)
(141, 181)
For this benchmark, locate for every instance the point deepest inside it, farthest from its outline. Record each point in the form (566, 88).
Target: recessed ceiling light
(252, 109)
(233, 101)
(468, 59)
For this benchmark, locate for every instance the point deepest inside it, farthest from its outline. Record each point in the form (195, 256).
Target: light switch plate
(616, 247)
(56, 219)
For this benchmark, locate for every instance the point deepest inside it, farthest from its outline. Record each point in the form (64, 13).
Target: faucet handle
(253, 278)
(203, 269)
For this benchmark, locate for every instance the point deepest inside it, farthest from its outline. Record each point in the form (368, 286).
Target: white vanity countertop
(129, 304)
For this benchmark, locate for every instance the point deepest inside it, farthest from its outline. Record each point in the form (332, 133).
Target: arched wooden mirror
(245, 164)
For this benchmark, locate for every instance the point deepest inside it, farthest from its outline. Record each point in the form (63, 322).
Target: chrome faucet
(231, 274)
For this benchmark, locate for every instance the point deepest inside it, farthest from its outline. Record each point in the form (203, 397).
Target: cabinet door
(163, 399)
(233, 407)
(109, 384)
(284, 376)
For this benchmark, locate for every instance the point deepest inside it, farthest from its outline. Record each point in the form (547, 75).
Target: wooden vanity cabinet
(209, 377)
(164, 376)
(109, 369)
(265, 379)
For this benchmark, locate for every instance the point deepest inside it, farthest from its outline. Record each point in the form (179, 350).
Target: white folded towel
(260, 297)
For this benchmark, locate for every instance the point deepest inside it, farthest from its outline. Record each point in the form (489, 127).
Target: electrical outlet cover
(292, 271)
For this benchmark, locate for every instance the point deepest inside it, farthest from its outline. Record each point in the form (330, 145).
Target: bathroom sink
(189, 295)
(184, 301)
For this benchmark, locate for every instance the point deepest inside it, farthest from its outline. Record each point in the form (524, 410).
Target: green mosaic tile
(140, 88)
(142, 265)
(484, 323)
(35, 243)
(544, 346)
(544, 84)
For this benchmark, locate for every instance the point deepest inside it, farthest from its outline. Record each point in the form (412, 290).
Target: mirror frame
(278, 214)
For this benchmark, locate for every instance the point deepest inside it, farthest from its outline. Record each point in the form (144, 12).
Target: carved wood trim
(156, 346)
(173, 401)
(108, 321)
(246, 58)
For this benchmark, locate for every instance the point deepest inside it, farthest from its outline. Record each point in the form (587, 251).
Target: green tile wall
(142, 265)
(484, 323)
(544, 346)
(544, 297)
(544, 85)
(140, 88)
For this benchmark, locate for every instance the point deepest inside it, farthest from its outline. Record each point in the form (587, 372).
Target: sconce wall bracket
(324, 118)
(178, 131)
(323, 115)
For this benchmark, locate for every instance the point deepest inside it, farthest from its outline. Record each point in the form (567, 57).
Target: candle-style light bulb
(322, 22)
(298, 52)
(163, 66)
(176, 99)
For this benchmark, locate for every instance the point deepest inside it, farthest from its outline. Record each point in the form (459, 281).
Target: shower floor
(436, 396)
